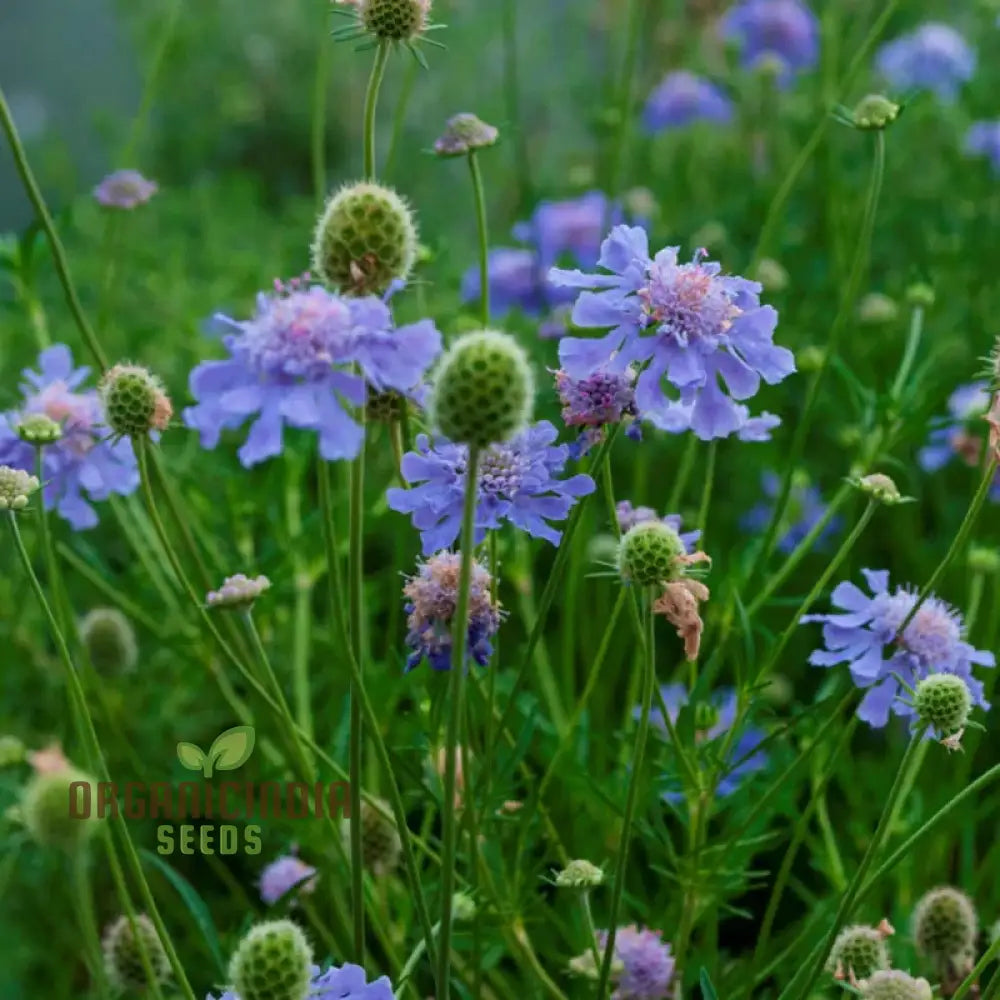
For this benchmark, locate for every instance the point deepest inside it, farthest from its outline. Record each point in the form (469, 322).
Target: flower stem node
(579, 874)
(943, 702)
(273, 962)
(893, 984)
(38, 429)
(874, 112)
(16, 486)
(237, 592)
(122, 955)
(365, 239)
(134, 401)
(945, 926)
(858, 952)
(483, 392)
(649, 554)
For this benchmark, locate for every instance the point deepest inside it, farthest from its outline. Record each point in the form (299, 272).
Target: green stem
(484, 268)
(522, 168)
(302, 613)
(318, 127)
(706, 492)
(683, 474)
(909, 354)
(83, 900)
(371, 101)
(626, 89)
(399, 116)
(459, 635)
(411, 963)
(649, 683)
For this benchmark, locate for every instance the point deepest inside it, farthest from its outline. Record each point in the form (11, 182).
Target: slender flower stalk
(484, 267)
(649, 684)
(512, 102)
(626, 96)
(459, 635)
(909, 354)
(83, 900)
(318, 126)
(371, 102)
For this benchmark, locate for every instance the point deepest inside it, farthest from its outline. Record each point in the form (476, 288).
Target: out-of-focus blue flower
(517, 483)
(693, 325)
(956, 437)
(863, 636)
(784, 30)
(515, 280)
(983, 139)
(84, 464)
(648, 965)
(282, 875)
(345, 982)
(803, 512)
(744, 756)
(124, 189)
(629, 517)
(431, 599)
(681, 98)
(935, 57)
(289, 364)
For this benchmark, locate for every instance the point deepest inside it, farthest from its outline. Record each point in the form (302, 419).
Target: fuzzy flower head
(681, 99)
(983, 139)
(894, 984)
(518, 482)
(239, 592)
(465, 133)
(126, 189)
(783, 31)
(745, 757)
(345, 982)
(934, 57)
(290, 364)
(804, 510)
(83, 464)
(863, 635)
(284, 874)
(431, 600)
(595, 401)
(647, 964)
(692, 324)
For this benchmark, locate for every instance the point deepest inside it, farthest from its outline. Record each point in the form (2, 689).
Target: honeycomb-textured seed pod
(56, 811)
(122, 958)
(381, 846)
(648, 554)
(395, 20)
(134, 401)
(945, 925)
(273, 962)
(858, 951)
(943, 701)
(109, 639)
(385, 407)
(483, 390)
(893, 984)
(365, 239)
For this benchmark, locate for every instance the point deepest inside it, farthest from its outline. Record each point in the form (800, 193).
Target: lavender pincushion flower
(934, 57)
(125, 189)
(282, 875)
(983, 139)
(431, 600)
(648, 965)
(785, 30)
(571, 228)
(745, 757)
(692, 324)
(682, 98)
(863, 635)
(345, 982)
(290, 364)
(594, 402)
(804, 511)
(83, 464)
(517, 483)
(629, 516)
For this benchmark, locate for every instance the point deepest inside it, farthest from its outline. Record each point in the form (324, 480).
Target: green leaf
(232, 748)
(707, 989)
(196, 907)
(190, 755)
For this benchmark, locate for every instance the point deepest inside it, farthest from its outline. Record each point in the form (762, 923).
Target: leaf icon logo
(229, 750)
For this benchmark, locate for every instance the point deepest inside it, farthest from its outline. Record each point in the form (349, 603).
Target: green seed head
(38, 429)
(648, 554)
(875, 111)
(46, 806)
(365, 239)
(943, 701)
(273, 962)
(892, 984)
(395, 20)
(381, 846)
(387, 407)
(123, 960)
(945, 925)
(858, 951)
(483, 390)
(134, 401)
(109, 639)
(12, 751)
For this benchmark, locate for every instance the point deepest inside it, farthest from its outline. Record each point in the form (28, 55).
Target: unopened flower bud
(465, 133)
(123, 961)
(109, 639)
(238, 592)
(921, 295)
(881, 488)
(893, 984)
(38, 429)
(876, 309)
(945, 925)
(463, 908)
(579, 874)
(874, 112)
(16, 486)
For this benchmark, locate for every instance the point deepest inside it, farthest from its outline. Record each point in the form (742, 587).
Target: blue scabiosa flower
(572, 228)
(431, 599)
(83, 464)
(289, 363)
(125, 189)
(804, 511)
(693, 325)
(344, 982)
(647, 964)
(517, 483)
(955, 437)
(783, 30)
(935, 57)
(863, 635)
(681, 98)
(744, 757)
(983, 139)
(629, 517)
(595, 401)
(515, 280)
(282, 875)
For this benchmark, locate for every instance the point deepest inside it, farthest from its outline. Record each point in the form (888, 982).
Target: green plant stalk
(459, 635)
(399, 116)
(83, 902)
(302, 614)
(484, 267)
(626, 90)
(840, 322)
(85, 723)
(371, 101)
(317, 138)
(512, 103)
(902, 780)
(698, 808)
(411, 963)
(618, 889)
(909, 353)
(706, 492)
(683, 473)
